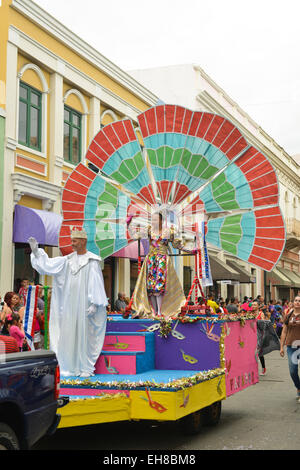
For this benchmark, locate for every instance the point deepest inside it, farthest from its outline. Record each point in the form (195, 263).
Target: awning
(294, 277)
(221, 271)
(277, 278)
(245, 277)
(131, 250)
(44, 226)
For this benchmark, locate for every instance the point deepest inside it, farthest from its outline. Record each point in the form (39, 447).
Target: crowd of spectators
(12, 313)
(274, 310)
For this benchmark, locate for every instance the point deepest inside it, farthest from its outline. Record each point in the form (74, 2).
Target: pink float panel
(112, 365)
(124, 343)
(241, 360)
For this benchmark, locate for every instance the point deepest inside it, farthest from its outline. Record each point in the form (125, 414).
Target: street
(262, 417)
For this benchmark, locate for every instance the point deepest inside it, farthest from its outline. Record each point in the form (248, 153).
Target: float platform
(156, 371)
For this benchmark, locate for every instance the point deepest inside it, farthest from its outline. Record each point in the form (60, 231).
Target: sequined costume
(158, 276)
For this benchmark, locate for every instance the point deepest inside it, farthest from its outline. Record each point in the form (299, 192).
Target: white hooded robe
(76, 337)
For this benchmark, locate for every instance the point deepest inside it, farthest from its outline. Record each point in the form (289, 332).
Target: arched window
(75, 124)
(32, 111)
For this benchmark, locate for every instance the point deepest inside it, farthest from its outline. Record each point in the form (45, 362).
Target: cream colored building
(55, 91)
(190, 86)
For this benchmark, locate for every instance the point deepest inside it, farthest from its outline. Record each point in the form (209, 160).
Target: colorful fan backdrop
(196, 166)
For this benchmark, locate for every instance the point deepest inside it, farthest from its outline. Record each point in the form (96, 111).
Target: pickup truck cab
(29, 398)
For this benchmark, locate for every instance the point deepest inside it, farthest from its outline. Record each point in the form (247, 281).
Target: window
(72, 136)
(30, 116)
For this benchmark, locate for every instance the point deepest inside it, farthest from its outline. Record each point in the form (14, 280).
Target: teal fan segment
(234, 234)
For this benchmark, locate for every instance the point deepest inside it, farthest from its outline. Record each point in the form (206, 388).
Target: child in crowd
(16, 329)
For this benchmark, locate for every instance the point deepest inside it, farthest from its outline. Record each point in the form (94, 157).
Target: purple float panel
(119, 324)
(191, 346)
(190, 349)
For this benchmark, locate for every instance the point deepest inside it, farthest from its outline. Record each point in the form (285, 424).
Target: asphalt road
(265, 416)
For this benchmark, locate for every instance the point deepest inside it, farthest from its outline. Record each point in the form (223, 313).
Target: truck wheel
(191, 424)
(211, 414)
(8, 439)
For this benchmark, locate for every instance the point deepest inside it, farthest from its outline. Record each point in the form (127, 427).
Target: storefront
(294, 282)
(278, 285)
(223, 276)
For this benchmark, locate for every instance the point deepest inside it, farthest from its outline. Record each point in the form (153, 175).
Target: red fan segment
(164, 188)
(261, 177)
(110, 139)
(181, 192)
(73, 200)
(210, 127)
(270, 238)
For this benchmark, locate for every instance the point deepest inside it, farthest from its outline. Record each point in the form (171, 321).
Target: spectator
(24, 290)
(120, 304)
(7, 324)
(288, 309)
(11, 305)
(211, 303)
(233, 306)
(285, 305)
(201, 301)
(271, 307)
(16, 330)
(290, 337)
(40, 301)
(259, 316)
(8, 345)
(223, 308)
(245, 305)
(259, 299)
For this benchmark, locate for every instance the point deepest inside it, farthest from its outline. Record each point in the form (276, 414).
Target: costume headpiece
(78, 232)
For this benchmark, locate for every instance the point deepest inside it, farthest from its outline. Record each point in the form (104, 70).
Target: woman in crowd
(290, 337)
(12, 305)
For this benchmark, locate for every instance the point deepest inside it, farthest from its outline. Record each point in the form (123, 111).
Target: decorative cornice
(56, 64)
(27, 185)
(52, 26)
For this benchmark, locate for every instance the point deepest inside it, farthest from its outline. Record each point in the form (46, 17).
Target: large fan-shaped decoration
(198, 163)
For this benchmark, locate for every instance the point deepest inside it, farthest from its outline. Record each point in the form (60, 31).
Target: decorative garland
(165, 328)
(101, 396)
(222, 348)
(177, 384)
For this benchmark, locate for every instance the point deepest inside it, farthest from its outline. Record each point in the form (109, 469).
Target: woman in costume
(158, 289)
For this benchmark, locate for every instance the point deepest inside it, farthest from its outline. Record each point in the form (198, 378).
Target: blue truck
(29, 398)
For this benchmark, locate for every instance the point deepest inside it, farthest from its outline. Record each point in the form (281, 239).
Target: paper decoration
(197, 155)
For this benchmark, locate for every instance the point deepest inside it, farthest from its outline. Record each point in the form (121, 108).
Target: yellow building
(56, 91)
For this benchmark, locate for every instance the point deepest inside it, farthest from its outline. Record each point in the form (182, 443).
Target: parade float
(217, 191)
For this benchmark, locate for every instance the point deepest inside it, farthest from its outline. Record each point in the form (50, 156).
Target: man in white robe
(78, 315)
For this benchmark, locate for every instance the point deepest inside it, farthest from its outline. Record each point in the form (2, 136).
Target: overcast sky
(250, 48)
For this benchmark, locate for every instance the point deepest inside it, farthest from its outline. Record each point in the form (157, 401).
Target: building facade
(190, 86)
(56, 92)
